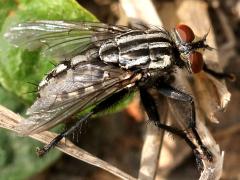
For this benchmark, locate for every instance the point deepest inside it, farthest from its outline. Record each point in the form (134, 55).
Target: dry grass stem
(211, 94)
(217, 92)
(9, 120)
(136, 10)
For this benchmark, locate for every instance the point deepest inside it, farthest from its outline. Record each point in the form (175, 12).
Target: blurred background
(116, 138)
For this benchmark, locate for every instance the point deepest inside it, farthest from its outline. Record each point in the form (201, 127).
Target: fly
(99, 64)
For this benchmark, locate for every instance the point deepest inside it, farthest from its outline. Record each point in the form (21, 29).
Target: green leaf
(10, 101)
(18, 67)
(7, 7)
(18, 160)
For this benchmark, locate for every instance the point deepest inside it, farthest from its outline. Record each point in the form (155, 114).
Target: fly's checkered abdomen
(139, 49)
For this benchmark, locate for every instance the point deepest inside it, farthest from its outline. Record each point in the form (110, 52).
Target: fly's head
(190, 48)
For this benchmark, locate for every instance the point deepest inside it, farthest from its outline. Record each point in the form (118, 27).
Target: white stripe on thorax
(154, 45)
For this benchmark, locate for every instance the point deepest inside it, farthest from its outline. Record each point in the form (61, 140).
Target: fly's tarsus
(220, 75)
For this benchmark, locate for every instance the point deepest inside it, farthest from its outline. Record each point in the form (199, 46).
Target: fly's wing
(181, 112)
(73, 91)
(61, 39)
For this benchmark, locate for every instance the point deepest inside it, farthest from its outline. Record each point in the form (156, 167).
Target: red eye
(185, 33)
(196, 61)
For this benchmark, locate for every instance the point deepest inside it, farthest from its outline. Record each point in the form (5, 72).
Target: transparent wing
(72, 92)
(181, 112)
(61, 39)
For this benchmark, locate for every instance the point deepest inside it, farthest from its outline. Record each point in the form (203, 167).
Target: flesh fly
(99, 64)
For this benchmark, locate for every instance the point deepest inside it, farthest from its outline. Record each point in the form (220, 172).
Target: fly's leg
(42, 151)
(219, 75)
(175, 94)
(107, 103)
(152, 112)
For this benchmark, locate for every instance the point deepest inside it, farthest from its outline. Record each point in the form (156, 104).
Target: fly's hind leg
(107, 103)
(152, 112)
(175, 94)
(42, 151)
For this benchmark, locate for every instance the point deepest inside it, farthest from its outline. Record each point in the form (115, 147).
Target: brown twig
(209, 92)
(136, 10)
(9, 120)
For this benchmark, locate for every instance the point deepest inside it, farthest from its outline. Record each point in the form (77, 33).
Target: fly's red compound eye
(196, 61)
(185, 33)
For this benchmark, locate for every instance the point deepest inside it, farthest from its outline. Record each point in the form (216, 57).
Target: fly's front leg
(152, 112)
(219, 75)
(175, 94)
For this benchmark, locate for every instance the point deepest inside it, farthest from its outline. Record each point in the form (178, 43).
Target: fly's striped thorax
(151, 49)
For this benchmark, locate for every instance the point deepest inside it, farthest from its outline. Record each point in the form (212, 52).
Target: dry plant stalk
(136, 10)
(210, 94)
(9, 120)
(212, 89)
